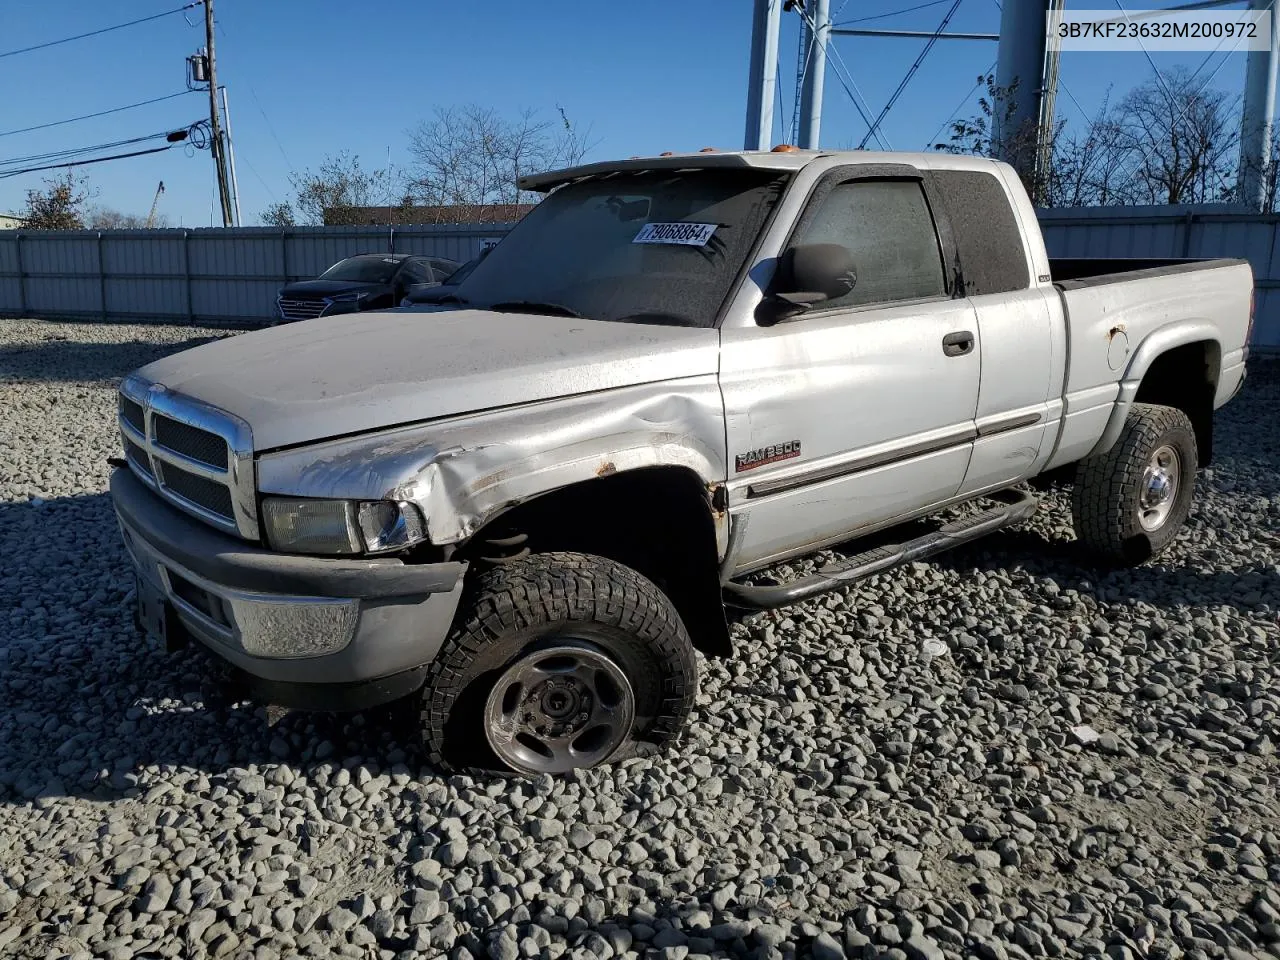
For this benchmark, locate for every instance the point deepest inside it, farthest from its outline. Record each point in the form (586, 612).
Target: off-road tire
(1105, 498)
(509, 609)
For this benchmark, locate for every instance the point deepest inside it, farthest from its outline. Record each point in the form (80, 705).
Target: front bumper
(314, 630)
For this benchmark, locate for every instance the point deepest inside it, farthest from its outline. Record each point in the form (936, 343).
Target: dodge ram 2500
(530, 511)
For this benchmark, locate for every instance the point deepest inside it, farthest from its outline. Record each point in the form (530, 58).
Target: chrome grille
(137, 456)
(132, 413)
(190, 441)
(201, 491)
(295, 309)
(197, 457)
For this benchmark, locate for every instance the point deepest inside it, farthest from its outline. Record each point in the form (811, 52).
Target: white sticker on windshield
(685, 234)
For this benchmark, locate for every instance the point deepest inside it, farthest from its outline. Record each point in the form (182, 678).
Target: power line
(858, 100)
(80, 151)
(94, 33)
(267, 120)
(960, 106)
(90, 116)
(912, 70)
(894, 13)
(838, 65)
(81, 163)
(777, 86)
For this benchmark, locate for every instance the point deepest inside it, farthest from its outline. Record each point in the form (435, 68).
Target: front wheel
(556, 662)
(1129, 503)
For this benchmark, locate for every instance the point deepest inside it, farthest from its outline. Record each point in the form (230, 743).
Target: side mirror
(813, 272)
(417, 289)
(807, 274)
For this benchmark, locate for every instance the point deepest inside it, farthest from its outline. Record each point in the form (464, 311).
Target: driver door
(860, 410)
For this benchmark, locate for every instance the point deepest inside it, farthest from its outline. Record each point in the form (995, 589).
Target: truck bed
(1120, 314)
(1087, 271)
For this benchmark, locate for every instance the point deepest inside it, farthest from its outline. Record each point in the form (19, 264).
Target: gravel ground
(846, 789)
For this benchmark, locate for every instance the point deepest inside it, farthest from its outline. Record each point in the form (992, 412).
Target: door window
(415, 271)
(887, 226)
(443, 269)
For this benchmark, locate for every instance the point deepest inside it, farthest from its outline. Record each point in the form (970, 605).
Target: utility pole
(1256, 120)
(811, 93)
(1048, 100)
(215, 146)
(1023, 39)
(763, 78)
(231, 157)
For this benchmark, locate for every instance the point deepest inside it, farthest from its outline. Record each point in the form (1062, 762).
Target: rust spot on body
(608, 468)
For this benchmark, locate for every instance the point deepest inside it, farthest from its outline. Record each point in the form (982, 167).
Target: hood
(328, 288)
(352, 373)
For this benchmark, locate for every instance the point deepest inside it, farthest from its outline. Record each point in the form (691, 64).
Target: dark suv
(369, 281)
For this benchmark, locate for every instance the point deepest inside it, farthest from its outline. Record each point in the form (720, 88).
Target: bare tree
(278, 215)
(60, 205)
(473, 155)
(1090, 167)
(1183, 139)
(105, 218)
(333, 194)
(976, 135)
(1169, 140)
(1270, 179)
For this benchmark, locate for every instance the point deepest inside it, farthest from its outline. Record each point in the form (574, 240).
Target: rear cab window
(993, 256)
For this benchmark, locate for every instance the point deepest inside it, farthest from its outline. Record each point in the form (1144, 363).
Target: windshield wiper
(534, 306)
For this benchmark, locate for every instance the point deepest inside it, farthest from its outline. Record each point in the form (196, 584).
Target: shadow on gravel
(58, 358)
(87, 701)
(1158, 582)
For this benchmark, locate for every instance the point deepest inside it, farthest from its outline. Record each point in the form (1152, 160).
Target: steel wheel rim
(1159, 488)
(558, 709)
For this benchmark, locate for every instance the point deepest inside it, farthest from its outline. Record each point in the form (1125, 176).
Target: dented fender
(463, 471)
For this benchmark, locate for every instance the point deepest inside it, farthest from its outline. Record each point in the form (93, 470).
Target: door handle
(957, 344)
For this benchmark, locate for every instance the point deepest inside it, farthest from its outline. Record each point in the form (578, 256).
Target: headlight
(341, 527)
(389, 525)
(350, 297)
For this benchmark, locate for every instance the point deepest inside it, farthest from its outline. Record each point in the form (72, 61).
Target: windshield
(655, 247)
(363, 269)
(462, 272)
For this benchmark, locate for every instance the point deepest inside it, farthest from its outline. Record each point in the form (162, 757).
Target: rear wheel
(558, 661)
(1129, 503)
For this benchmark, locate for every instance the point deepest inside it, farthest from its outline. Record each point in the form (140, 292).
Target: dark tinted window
(887, 226)
(363, 269)
(414, 271)
(442, 268)
(990, 244)
(651, 247)
(461, 273)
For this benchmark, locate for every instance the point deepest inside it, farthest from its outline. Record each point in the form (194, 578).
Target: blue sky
(310, 77)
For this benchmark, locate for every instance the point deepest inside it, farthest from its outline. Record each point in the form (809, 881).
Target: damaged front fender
(464, 471)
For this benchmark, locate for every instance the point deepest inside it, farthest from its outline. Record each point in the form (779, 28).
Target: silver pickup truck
(529, 511)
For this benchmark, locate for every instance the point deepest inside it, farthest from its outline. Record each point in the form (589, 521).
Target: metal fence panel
(218, 298)
(63, 296)
(153, 296)
(205, 275)
(212, 275)
(144, 253)
(8, 254)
